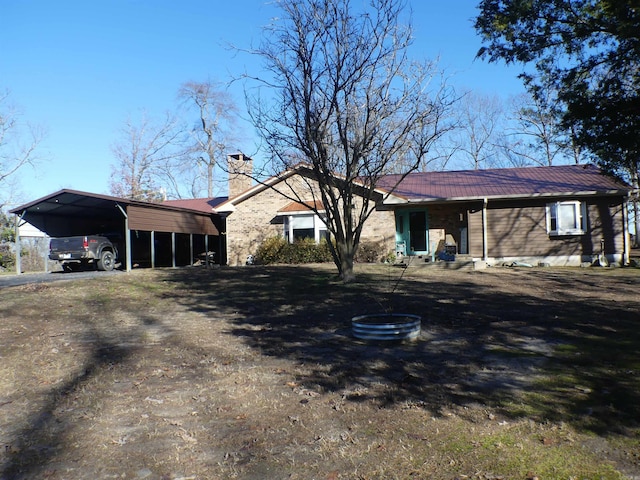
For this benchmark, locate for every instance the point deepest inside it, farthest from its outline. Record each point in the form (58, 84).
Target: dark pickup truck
(81, 251)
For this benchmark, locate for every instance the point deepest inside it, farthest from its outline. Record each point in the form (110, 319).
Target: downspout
(485, 247)
(127, 237)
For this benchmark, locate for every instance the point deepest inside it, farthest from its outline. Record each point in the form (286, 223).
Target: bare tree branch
(212, 134)
(19, 143)
(478, 125)
(349, 103)
(142, 155)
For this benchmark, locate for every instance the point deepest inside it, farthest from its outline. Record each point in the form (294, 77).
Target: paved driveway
(26, 278)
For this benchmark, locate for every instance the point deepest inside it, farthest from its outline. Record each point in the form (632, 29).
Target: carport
(148, 234)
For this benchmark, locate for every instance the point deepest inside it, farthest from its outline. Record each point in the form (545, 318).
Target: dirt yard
(253, 373)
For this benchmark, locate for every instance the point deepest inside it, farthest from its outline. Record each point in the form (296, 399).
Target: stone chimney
(240, 170)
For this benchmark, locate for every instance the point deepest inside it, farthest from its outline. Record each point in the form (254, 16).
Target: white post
(191, 247)
(626, 247)
(127, 238)
(485, 247)
(18, 219)
(173, 249)
(46, 253)
(153, 249)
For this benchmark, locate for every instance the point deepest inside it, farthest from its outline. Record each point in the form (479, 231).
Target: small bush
(372, 252)
(7, 257)
(270, 251)
(324, 252)
(278, 250)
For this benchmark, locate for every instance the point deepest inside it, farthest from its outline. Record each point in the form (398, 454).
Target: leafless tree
(480, 119)
(349, 102)
(508, 148)
(19, 144)
(537, 134)
(212, 133)
(143, 155)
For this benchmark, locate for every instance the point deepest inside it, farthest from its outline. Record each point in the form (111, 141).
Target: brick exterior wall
(380, 228)
(251, 223)
(240, 168)
(256, 219)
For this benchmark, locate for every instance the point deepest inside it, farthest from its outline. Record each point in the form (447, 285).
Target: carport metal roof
(69, 204)
(73, 204)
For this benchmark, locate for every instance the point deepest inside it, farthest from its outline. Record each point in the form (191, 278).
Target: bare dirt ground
(253, 373)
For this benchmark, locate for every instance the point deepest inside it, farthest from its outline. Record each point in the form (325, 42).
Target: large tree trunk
(346, 269)
(210, 166)
(346, 251)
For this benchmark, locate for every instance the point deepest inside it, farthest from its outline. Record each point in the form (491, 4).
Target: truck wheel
(106, 261)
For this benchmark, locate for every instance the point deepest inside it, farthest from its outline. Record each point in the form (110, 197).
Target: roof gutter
(589, 193)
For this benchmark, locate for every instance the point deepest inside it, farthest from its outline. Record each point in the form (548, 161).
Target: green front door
(412, 231)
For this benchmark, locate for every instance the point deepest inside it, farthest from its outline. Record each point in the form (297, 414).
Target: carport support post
(153, 249)
(18, 249)
(191, 247)
(46, 254)
(173, 249)
(127, 237)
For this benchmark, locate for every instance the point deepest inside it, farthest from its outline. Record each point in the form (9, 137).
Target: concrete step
(461, 262)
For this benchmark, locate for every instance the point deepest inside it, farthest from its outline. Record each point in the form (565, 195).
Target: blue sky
(80, 68)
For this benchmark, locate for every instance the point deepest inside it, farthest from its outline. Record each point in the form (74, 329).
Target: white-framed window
(566, 218)
(307, 225)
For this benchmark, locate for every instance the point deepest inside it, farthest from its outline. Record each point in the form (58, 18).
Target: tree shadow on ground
(45, 432)
(43, 436)
(546, 354)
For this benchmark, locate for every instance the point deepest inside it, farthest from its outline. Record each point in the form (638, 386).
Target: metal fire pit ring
(386, 326)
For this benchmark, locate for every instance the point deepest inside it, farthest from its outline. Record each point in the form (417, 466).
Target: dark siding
(475, 232)
(152, 219)
(516, 229)
(606, 223)
(519, 229)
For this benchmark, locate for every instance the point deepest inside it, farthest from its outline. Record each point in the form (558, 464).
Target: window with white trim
(300, 226)
(566, 218)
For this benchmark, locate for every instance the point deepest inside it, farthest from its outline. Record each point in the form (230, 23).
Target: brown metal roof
(52, 213)
(504, 182)
(302, 207)
(205, 205)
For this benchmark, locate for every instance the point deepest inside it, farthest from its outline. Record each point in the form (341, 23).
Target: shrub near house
(278, 250)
